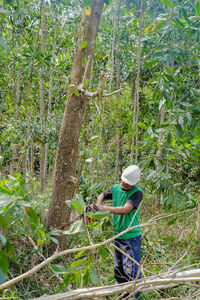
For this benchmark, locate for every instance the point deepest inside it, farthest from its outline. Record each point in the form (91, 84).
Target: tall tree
(42, 102)
(64, 176)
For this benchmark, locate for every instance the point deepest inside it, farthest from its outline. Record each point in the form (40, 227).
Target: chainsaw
(91, 208)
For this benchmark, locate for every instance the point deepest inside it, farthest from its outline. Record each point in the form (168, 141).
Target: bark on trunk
(136, 96)
(64, 181)
(118, 135)
(18, 92)
(42, 104)
(198, 222)
(160, 150)
(113, 45)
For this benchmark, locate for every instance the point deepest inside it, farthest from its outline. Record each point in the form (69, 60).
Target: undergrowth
(168, 244)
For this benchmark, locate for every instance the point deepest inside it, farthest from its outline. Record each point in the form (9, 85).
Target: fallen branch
(149, 283)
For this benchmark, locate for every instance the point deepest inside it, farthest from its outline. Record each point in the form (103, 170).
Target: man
(126, 198)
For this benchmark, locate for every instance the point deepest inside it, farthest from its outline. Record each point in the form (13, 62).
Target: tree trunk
(64, 174)
(113, 45)
(162, 119)
(198, 222)
(118, 135)
(18, 92)
(42, 104)
(136, 96)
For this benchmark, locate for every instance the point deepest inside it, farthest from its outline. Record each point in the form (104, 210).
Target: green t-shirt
(122, 222)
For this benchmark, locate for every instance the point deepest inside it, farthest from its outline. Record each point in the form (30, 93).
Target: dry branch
(155, 282)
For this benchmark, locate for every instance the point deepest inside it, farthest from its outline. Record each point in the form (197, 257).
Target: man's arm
(123, 210)
(100, 199)
(119, 210)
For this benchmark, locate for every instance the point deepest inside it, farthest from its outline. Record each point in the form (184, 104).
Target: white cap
(131, 175)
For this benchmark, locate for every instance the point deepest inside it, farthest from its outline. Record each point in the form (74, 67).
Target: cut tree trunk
(64, 174)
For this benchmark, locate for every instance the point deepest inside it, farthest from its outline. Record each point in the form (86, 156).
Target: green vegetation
(159, 130)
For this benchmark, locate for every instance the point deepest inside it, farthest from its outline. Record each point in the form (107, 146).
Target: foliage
(19, 221)
(168, 148)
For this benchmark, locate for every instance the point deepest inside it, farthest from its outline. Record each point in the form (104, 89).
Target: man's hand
(91, 208)
(101, 207)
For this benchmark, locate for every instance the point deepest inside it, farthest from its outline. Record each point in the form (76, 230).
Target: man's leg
(133, 247)
(120, 276)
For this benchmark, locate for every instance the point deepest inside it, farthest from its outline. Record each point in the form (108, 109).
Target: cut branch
(156, 282)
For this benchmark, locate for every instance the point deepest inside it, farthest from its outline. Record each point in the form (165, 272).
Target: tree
(64, 177)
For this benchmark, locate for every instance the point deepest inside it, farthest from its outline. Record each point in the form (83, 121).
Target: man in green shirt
(126, 198)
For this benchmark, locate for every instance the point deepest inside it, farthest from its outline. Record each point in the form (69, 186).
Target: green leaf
(75, 228)
(93, 276)
(77, 203)
(185, 16)
(159, 25)
(4, 265)
(142, 125)
(79, 254)
(168, 3)
(179, 130)
(74, 90)
(100, 214)
(79, 279)
(3, 239)
(24, 203)
(94, 138)
(179, 23)
(78, 263)
(103, 252)
(169, 77)
(54, 240)
(198, 8)
(3, 222)
(83, 45)
(33, 215)
(195, 91)
(2, 278)
(165, 125)
(63, 286)
(59, 269)
(150, 132)
(5, 189)
(151, 63)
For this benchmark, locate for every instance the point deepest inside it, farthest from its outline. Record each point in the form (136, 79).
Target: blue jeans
(124, 269)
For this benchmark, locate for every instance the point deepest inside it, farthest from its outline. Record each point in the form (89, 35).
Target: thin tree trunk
(133, 79)
(64, 176)
(42, 103)
(18, 92)
(50, 91)
(136, 96)
(52, 64)
(32, 158)
(118, 135)
(113, 45)
(14, 66)
(14, 163)
(198, 222)
(162, 118)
